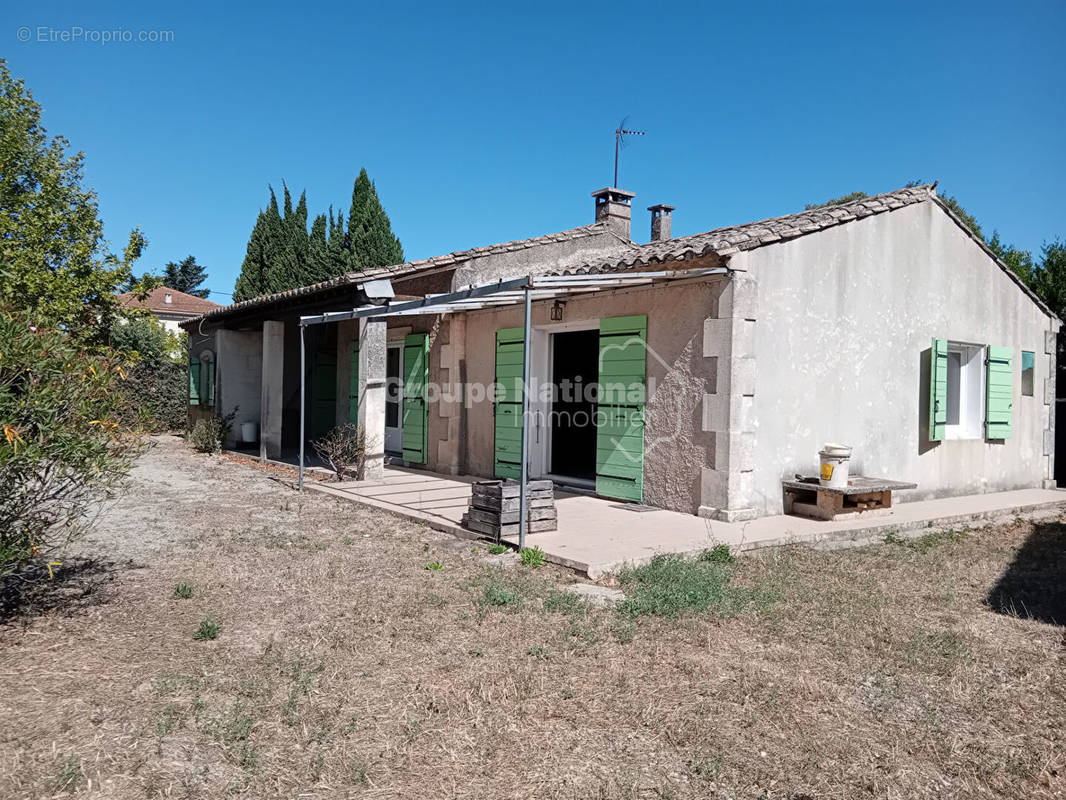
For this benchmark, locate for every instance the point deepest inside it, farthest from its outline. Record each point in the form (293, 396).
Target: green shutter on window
(999, 393)
(415, 383)
(353, 385)
(507, 410)
(207, 379)
(938, 389)
(620, 412)
(194, 381)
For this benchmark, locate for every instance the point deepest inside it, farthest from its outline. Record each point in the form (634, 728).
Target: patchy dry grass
(343, 667)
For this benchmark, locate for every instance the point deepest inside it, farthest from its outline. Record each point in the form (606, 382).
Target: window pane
(954, 385)
(1028, 372)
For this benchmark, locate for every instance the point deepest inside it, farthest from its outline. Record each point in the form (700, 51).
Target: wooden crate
(495, 507)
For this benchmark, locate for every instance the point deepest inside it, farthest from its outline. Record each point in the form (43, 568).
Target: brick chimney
(613, 207)
(660, 222)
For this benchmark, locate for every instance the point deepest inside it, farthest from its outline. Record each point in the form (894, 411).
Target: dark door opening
(575, 372)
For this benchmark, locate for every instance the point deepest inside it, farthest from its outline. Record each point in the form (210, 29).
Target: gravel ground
(358, 655)
(173, 498)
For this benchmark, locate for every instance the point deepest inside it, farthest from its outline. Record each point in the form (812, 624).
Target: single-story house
(691, 373)
(169, 306)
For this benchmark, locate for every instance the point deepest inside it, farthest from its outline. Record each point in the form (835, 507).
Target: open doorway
(393, 399)
(574, 375)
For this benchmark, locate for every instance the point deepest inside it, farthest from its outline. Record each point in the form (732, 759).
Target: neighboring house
(170, 306)
(884, 324)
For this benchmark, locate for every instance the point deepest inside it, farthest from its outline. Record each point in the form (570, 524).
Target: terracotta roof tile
(180, 302)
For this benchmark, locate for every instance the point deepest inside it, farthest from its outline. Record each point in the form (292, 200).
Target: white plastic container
(249, 432)
(835, 464)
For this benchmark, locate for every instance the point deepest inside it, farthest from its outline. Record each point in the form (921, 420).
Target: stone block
(743, 378)
(715, 413)
(717, 337)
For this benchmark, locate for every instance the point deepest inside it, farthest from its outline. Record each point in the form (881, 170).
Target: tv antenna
(620, 142)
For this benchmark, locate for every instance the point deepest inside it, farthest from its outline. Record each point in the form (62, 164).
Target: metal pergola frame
(525, 290)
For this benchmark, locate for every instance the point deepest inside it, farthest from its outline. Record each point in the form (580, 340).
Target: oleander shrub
(62, 444)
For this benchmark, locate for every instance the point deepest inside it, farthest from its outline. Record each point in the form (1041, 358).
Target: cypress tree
(371, 242)
(283, 255)
(318, 265)
(338, 244)
(254, 279)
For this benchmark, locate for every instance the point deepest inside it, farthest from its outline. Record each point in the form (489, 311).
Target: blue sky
(482, 123)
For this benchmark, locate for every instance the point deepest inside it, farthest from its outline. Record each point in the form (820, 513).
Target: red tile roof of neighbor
(180, 302)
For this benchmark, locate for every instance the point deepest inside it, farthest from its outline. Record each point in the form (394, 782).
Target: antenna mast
(619, 142)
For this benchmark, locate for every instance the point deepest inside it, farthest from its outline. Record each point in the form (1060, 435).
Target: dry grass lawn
(343, 667)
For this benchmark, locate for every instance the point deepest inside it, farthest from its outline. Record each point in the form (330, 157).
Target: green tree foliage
(1019, 261)
(54, 259)
(967, 218)
(371, 242)
(255, 269)
(62, 446)
(1049, 277)
(156, 388)
(147, 339)
(186, 276)
(283, 254)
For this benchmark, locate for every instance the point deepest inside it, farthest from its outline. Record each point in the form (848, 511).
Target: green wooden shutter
(207, 378)
(508, 407)
(353, 385)
(194, 381)
(620, 417)
(415, 380)
(323, 394)
(938, 389)
(999, 393)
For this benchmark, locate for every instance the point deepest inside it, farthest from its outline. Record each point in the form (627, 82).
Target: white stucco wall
(240, 370)
(844, 323)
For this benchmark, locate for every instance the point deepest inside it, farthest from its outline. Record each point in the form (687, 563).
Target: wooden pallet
(873, 496)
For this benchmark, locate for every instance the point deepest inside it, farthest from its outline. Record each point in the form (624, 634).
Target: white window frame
(966, 390)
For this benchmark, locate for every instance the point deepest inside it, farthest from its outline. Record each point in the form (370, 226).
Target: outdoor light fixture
(557, 310)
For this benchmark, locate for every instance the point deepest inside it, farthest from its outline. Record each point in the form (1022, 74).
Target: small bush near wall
(208, 435)
(344, 450)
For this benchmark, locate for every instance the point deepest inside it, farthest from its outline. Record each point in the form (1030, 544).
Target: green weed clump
(496, 595)
(532, 557)
(497, 549)
(669, 586)
(183, 591)
(208, 629)
(719, 554)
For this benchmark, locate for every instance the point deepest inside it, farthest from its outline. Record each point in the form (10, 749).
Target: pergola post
(303, 388)
(525, 421)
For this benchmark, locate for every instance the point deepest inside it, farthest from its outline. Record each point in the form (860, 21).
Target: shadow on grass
(1034, 584)
(77, 583)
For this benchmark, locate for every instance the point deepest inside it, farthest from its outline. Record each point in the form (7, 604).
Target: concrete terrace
(597, 536)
